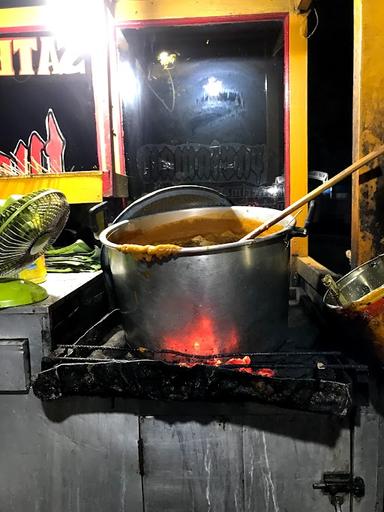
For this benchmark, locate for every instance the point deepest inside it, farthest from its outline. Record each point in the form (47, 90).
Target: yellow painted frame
(78, 187)
(368, 133)
(298, 120)
(131, 10)
(22, 18)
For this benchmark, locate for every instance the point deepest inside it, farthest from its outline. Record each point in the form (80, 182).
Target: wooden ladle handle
(314, 193)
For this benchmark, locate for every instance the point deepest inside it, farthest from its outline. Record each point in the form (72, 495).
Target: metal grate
(102, 362)
(107, 341)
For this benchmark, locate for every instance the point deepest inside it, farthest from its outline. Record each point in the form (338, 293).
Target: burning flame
(201, 338)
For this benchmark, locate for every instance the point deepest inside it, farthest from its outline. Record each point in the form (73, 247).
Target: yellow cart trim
(298, 121)
(368, 131)
(78, 187)
(132, 10)
(22, 17)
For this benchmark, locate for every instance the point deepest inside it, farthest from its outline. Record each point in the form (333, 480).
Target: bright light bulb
(128, 83)
(166, 59)
(213, 87)
(77, 25)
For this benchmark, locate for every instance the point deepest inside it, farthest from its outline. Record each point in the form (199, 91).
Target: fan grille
(28, 226)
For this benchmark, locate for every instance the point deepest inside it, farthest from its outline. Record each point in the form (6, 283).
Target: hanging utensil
(315, 193)
(335, 291)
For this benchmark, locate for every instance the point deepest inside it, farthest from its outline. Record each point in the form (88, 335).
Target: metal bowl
(359, 282)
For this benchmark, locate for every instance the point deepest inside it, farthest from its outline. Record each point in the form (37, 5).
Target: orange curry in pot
(168, 239)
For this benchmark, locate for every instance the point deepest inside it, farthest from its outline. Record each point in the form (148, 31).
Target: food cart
(121, 99)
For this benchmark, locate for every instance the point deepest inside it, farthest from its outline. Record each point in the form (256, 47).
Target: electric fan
(27, 226)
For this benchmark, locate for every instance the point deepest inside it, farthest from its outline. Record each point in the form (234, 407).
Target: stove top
(102, 362)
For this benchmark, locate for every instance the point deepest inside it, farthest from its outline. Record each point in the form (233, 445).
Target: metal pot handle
(97, 218)
(303, 232)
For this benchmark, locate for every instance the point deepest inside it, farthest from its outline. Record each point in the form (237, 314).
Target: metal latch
(338, 484)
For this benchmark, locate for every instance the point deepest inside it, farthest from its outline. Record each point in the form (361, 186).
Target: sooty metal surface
(102, 363)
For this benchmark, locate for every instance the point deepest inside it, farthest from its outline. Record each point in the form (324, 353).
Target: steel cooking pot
(177, 197)
(218, 299)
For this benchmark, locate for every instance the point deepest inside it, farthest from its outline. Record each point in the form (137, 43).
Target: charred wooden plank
(157, 380)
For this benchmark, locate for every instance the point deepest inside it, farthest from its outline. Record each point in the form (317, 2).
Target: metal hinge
(338, 484)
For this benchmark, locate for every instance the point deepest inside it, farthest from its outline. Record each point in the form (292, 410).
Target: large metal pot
(219, 299)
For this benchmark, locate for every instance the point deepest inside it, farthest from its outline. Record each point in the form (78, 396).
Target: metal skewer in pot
(315, 193)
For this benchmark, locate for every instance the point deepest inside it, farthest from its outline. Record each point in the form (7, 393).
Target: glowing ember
(240, 361)
(200, 337)
(265, 372)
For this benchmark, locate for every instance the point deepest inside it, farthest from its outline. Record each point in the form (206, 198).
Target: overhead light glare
(213, 87)
(77, 25)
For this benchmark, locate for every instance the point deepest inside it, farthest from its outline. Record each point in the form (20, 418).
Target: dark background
(24, 104)
(247, 59)
(330, 74)
(330, 83)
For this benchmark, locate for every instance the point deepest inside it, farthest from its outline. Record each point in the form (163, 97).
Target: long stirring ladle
(314, 193)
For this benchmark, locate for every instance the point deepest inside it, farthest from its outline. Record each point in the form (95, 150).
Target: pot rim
(207, 249)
